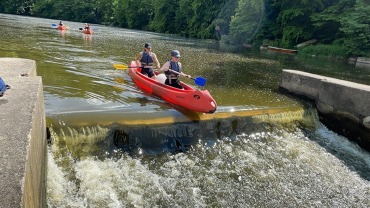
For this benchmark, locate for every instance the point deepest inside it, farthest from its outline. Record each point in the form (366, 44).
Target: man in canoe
(172, 69)
(147, 58)
(61, 23)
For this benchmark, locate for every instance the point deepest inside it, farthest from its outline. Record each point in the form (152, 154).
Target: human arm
(185, 75)
(139, 55)
(156, 61)
(164, 67)
(182, 73)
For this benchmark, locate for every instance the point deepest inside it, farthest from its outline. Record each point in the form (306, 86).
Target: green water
(234, 162)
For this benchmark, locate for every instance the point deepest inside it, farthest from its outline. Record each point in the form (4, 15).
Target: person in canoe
(61, 23)
(87, 27)
(173, 69)
(147, 58)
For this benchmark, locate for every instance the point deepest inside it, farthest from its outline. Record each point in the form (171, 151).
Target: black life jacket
(175, 66)
(146, 59)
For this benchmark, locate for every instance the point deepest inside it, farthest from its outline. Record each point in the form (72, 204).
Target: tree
(164, 16)
(200, 24)
(247, 20)
(356, 28)
(138, 13)
(327, 23)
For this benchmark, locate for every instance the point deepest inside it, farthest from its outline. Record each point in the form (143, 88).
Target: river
(111, 145)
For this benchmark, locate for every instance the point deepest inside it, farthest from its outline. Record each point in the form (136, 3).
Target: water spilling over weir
(265, 157)
(172, 131)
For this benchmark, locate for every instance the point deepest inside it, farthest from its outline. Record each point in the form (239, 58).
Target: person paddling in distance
(173, 69)
(61, 23)
(87, 26)
(147, 58)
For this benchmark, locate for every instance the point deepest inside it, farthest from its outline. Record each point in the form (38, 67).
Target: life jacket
(175, 66)
(146, 59)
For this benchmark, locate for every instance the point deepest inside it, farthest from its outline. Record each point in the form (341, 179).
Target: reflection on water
(114, 146)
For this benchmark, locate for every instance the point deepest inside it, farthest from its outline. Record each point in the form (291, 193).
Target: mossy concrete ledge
(343, 105)
(22, 136)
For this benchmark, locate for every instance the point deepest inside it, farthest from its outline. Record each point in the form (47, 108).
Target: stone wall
(22, 136)
(345, 103)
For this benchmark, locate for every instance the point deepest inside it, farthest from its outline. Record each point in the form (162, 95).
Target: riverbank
(22, 136)
(343, 105)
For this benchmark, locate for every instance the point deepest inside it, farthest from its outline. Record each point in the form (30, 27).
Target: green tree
(222, 21)
(22, 7)
(119, 13)
(200, 24)
(247, 21)
(164, 16)
(327, 23)
(356, 28)
(138, 14)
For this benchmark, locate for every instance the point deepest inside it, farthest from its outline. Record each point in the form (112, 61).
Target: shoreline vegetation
(339, 26)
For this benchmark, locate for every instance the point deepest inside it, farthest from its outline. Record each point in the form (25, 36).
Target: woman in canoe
(172, 69)
(147, 58)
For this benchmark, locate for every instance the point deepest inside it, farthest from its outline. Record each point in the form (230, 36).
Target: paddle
(200, 81)
(122, 66)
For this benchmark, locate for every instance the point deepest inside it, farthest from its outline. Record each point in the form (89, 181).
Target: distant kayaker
(87, 26)
(147, 58)
(61, 23)
(172, 69)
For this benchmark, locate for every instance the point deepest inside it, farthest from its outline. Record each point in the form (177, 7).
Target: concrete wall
(348, 103)
(22, 136)
(363, 62)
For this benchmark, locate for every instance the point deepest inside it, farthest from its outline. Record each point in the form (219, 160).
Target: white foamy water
(263, 169)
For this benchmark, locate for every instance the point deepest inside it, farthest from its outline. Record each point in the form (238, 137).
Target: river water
(111, 145)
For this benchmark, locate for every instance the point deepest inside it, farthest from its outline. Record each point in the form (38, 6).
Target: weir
(166, 132)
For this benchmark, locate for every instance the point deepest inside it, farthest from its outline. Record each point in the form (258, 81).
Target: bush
(323, 50)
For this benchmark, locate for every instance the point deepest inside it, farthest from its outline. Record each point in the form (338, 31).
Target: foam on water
(276, 168)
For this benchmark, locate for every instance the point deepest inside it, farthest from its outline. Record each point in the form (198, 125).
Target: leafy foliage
(247, 20)
(281, 23)
(356, 25)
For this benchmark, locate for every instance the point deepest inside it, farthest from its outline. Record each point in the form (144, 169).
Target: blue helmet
(175, 53)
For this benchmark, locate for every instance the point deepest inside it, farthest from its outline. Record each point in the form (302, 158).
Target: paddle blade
(200, 81)
(120, 66)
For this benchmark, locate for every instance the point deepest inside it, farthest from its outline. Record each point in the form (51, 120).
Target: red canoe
(188, 98)
(87, 31)
(62, 27)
